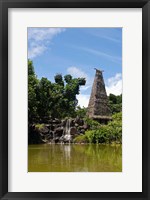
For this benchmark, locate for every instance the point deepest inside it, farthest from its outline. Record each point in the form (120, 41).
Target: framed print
(74, 99)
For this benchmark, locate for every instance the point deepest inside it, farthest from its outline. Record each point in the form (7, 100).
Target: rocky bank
(56, 131)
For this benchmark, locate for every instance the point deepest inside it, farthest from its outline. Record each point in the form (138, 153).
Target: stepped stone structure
(98, 108)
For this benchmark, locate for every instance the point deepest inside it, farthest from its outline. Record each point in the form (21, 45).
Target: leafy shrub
(80, 139)
(92, 123)
(107, 133)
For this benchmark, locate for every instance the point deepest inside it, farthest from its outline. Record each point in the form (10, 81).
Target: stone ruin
(98, 108)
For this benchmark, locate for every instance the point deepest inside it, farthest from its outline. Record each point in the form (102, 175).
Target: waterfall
(67, 135)
(67, 128)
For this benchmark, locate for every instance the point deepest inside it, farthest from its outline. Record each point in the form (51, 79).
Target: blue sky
(77, 51)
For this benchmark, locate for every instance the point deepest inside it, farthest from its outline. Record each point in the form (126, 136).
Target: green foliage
(115, 103)
(92, 123)
(107, 133)
(44, 97)
(81, 112)
(30, 68)
(81, 81)
(52, 100)
(32, 93)
(59, 79)
(113, 98)
(39, 126)
(81, 139)
(68, 78)
(117, 117)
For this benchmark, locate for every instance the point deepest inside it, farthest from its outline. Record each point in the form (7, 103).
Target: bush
(92, 123)
(107, 133)
(80, 139)
(98, 136)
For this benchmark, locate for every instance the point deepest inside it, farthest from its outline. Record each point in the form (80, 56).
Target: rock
(48, 126)
(82, 131)
(80, 127)
(45, 119)
(63, 122)
(52, 127)
(73, 131)
(76, 125)
(51, 134)
(79, 121)
(50, 121)
(82, 122)
(72, 122)
(56, 121)
(35, 135)
(56, 140)
(58, 131)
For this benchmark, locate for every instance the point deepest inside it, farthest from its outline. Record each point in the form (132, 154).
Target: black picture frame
(4, 6)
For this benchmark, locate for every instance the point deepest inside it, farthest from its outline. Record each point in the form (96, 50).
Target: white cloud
(114, 85)
(40, 34)
(83, 100)
(39, 38)
(77, 73)
(83, 88)
(36, 51)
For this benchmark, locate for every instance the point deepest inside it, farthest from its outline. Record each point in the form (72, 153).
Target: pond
(74, 158)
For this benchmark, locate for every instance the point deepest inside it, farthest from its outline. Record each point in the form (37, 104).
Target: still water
(74, 158)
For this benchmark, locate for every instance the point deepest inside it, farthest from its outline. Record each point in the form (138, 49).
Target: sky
(77, 51)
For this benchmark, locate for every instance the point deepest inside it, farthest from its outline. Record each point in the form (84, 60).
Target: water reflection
(67, 151)
(74, 158)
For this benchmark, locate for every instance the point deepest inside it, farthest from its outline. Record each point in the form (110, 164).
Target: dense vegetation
(115, 103)
(52, 100)
(100, 133)
(47, 100)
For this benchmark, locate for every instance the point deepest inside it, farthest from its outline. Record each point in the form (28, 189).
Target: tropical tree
(32, 93)
(52, 100)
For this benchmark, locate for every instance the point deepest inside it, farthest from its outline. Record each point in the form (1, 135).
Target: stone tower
(98, 108)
